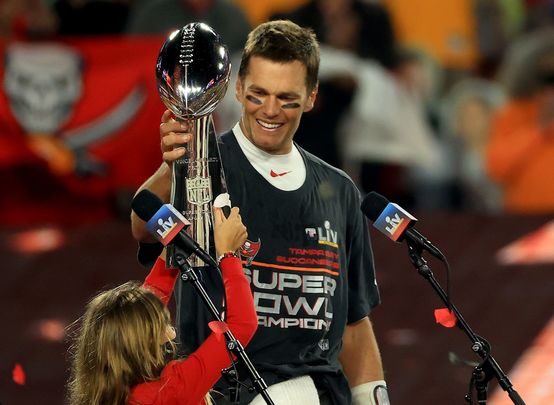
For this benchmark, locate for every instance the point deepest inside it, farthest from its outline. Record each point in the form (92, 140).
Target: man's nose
(271, 106)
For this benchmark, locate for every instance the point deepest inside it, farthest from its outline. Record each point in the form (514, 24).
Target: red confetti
(219, 328)
(445, 317)
(50, 329)
(18, 374)
(37, 241)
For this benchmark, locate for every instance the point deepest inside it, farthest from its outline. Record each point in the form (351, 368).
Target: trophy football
(192, 73)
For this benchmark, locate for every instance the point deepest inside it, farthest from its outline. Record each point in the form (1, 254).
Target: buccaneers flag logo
(79, 126)
(249, 250)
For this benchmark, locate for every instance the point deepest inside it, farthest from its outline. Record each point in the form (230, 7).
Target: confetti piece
(37, 241)
(445, 317)
(49, 329)
(219, 328)
(18, 374)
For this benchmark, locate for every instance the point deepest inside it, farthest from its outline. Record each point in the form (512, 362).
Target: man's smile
(269, 125)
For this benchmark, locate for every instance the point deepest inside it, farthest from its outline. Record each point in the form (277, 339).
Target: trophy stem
(193, 185)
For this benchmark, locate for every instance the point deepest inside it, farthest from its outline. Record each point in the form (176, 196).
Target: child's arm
(161, 280)
(242, 319)
(193, 377)
(230, 234)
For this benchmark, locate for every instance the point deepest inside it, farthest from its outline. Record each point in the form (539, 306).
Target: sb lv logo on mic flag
(393, 221)
(166, 223)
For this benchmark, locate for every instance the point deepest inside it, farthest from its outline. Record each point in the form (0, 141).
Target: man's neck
(285, 172)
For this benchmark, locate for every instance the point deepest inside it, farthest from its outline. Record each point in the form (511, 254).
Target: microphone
(395, 222)
(167, 224)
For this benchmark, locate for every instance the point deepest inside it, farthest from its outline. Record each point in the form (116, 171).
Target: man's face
(273, 96)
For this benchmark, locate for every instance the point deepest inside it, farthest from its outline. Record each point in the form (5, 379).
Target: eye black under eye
(253, 99)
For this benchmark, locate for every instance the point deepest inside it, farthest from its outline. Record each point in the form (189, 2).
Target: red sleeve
(241, 314)
(188, 381)
(161, 280)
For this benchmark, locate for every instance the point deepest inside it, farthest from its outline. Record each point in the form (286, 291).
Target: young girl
(121, 350)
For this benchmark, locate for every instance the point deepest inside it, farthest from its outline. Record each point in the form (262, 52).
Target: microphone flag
(393, 221)
(166, 223)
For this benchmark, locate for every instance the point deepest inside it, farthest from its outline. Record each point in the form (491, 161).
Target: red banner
(79, 127)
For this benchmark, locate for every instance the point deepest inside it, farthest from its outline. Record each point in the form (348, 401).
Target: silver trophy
(192, 73)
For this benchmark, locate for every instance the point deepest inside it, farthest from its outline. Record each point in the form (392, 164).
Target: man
(308, 256)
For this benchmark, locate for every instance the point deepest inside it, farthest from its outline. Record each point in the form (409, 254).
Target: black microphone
(396, 223)
(167, 224)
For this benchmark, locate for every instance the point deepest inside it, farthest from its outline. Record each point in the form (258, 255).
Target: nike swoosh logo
(273, 174)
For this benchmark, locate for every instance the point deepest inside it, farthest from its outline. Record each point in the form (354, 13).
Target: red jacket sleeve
(161, 280)
(187, 381)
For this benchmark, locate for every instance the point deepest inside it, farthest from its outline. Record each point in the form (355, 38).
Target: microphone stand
(488, 368)
(233, 345)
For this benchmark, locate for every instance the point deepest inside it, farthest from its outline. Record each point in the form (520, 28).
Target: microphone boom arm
(233, 345)
(489, 368)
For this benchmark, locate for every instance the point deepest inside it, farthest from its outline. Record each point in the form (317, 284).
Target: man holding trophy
(308, 256)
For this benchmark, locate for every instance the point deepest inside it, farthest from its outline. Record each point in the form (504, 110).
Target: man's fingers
(172, 124)
(174, 154)
(166, 116)
(186, 126)
(172, 139)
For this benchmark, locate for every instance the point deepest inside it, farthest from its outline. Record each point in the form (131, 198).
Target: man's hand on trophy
(174, 135)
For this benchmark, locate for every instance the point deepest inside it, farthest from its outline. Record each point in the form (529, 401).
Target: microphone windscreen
(146, 204)
(373, 205)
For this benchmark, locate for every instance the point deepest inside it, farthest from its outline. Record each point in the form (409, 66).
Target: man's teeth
(268, 125)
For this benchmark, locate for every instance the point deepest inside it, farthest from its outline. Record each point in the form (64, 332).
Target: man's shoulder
(229, 149)
(225, 139)
(226, 134)
(321, 166)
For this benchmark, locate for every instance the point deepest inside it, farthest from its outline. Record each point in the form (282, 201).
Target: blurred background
(444, 107)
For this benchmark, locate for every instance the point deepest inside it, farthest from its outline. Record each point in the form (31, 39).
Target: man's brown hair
(283, 41)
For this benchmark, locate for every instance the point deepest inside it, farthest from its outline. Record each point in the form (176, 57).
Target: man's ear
(238, 90)
(311, 99)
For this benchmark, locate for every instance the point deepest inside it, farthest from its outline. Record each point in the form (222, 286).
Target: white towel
(299, 390)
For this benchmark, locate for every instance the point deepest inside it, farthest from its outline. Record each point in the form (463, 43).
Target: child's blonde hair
(120, 343)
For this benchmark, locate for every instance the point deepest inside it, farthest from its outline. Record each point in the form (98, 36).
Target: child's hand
(229, 233)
